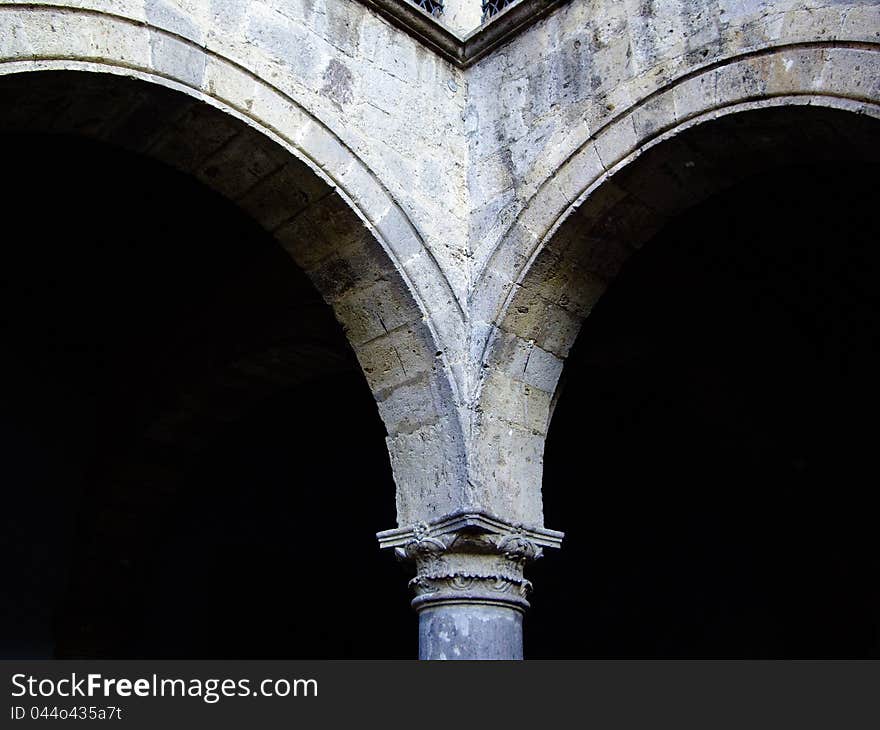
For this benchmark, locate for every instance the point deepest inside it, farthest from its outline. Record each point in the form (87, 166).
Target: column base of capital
(471, 593)
(491, 595)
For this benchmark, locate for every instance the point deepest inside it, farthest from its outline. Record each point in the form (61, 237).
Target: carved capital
(470, 558)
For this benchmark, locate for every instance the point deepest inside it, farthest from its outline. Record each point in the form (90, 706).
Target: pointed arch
(655, 160)
(162, 94)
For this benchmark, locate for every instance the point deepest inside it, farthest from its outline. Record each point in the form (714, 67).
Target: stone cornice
(470, 558)
(467, 50)
(468, 522)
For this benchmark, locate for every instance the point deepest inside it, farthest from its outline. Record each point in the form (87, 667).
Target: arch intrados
(586, 248)
(167, 121)
(347, 258)
(303, 210)
(600, 195)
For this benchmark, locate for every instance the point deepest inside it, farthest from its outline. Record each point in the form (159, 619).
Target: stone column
(469, 584)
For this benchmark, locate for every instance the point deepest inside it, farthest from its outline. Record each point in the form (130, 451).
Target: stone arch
(175, 100)
(197, 369)
(653, 161)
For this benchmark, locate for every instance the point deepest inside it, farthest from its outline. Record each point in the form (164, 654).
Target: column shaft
(470, 631)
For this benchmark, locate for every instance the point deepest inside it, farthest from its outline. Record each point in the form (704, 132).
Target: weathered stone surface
(462, 219)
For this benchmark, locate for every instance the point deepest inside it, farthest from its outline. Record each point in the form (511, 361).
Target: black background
(712, 457)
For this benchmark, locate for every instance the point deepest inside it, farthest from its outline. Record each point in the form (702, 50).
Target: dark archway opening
(194, 466)
(712, 456)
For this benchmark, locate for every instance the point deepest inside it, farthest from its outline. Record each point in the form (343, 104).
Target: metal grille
(493, 7)
(434, 7)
